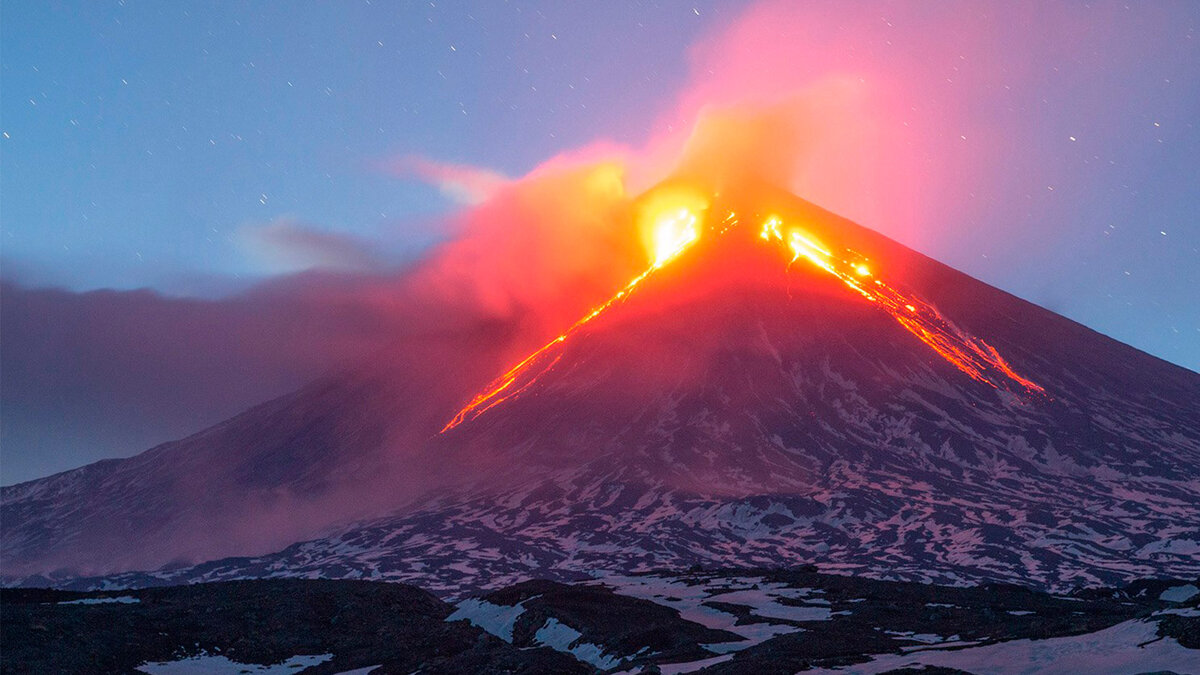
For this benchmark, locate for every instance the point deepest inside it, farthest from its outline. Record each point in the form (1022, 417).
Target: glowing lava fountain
(677, 227)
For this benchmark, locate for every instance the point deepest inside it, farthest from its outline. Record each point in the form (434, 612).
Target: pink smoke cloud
(459, 182)
(285, 246)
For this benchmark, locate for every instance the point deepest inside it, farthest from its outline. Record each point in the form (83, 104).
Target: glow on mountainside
(675, 229)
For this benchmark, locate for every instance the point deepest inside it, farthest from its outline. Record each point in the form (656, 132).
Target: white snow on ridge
(689, 666)
(563, 638)
(762, 603)
(207, 664)
(1129, 647)
(123, 599)
(498, 620)
(1179, 593)
(689, 598)
(924, 638)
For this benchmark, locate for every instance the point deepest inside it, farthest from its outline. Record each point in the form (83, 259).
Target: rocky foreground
(708, 621)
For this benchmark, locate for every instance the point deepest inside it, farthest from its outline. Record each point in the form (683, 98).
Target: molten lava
(978, 359)
(674, 223)
(673, 232)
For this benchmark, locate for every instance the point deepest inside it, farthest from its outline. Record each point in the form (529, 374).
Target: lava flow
(673, 232)
(978, 359)
(678, 227)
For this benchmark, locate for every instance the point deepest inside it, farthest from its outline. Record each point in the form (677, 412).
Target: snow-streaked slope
(1129, 647)
(219, 665)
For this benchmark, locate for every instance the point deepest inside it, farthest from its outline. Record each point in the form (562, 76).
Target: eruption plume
(673, 224)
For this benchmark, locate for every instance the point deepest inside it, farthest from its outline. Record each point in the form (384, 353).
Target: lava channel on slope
(677, 228)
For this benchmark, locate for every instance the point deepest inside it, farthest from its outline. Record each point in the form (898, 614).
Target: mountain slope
(284, 470)
(737, 409)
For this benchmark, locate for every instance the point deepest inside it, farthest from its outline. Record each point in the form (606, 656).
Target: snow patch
(688, 595)
(763, 603)
(1179, 593)
(675, 668)
(207, 664)
(924, 638)
(495, 619)
(561, 637)
(1191, 612)
(1129, 647)
(124, 600)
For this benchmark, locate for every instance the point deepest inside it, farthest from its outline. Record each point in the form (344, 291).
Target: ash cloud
(112, 373)
(286, 246)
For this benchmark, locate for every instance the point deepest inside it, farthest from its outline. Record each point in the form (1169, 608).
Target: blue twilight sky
(139, 137)
(142, 139)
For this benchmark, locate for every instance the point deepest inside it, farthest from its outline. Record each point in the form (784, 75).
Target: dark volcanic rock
(1185, 629)
(624, 626)
(362, 624)
(396, 628)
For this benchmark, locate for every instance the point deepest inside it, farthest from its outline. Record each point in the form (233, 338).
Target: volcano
(782, 387)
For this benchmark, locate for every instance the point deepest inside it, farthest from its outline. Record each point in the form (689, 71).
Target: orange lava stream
(973, 356)
(499, 391)
(679, 229)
